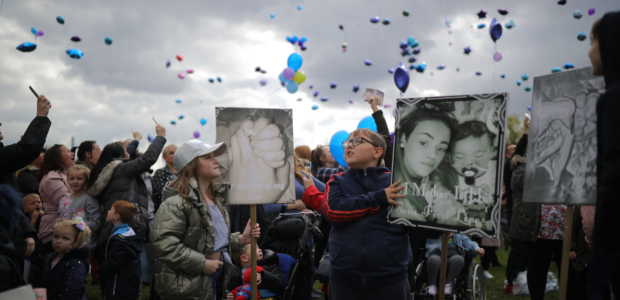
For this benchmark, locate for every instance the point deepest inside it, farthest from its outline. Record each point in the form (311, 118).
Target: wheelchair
(469, 285)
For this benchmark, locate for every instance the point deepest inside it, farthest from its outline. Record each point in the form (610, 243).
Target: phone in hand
(373, 93)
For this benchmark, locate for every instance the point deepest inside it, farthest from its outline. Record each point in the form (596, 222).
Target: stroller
(294, 233)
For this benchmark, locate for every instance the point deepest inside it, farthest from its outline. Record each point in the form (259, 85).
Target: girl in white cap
(191, 233)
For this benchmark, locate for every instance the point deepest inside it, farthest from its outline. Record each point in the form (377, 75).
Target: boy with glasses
(369, 256)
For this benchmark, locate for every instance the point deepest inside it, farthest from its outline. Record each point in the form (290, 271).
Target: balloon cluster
(298, 41)
(291, 77)
(336, 142)
(376, 20)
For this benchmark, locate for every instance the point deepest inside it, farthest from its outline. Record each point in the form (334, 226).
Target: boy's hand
(392, 193)
(43, 106)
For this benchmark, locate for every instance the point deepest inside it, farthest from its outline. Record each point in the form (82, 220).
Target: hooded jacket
(608, 135)
(67, 279)
(362, 243)
(121, 266)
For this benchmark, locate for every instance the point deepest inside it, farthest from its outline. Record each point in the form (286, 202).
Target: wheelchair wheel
(476, 283)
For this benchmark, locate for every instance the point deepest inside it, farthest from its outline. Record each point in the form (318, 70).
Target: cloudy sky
(116, 89)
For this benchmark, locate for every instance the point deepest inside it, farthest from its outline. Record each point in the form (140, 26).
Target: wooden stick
(444, 266)
(566, 245)
(253, 252)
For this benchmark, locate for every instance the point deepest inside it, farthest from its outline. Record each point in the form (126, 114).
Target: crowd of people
(102, 215)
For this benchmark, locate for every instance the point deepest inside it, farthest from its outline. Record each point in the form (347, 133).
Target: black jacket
(67, 279)
(608, 156)
(383, 130)
(16, 156)
(120, 273)
(362, 244)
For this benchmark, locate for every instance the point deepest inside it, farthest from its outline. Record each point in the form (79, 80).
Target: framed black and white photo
(561, 150)
(448, 155)
(259, 164)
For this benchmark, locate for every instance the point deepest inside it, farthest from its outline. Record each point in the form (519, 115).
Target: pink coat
(56, 196)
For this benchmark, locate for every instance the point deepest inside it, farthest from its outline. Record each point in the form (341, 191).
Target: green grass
(495, 286)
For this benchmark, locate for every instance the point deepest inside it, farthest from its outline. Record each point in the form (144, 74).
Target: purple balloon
(196, 134)
(495, 30)
(591, 11)
(401, 79)
(288, 73)
(497, 56)
(40, 33)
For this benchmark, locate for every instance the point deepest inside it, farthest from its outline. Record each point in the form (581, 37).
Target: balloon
(412, 42)
(288, 73)
(181, 76)
(315, 107)
(503, 76)
(40, 33)
(495, 30)
(60, 20)
(403, 45)
(211, 80)
(406, 13)
(108, 41)
(368, 123)
(26, 47)
(173, 122)
(181, 117)
(179, 58)
(333, 85)
(591, 11)
(294, 61)
(344, 47)
(441, 67)
(510, 24)
(219, 79)
(356, 88)
(502, 12)
(421, 68)
(303, 39)
(150, 138)
(416, 51)
(497, 57)
(386, 21)
(367, 62)
(577, 14)
(561, 2)
(556, 70)
(300, 7)
(467, 50)
(292, 87)
(189, 71)
(299, 77)
(196, 134)
(568, 66)
(405, 53)
(482, 14)
(76, 39)
(401, 79)
(412, 60)
(315, 94)
(33, 30)
(341, 27)
(582, 36)
(519, 82)
(311, 86)
(324, 99)
(525, 77)
(75, 53)
(272, 16)
(528, 89)
(263, 82)
(481, 26)
(375, 20)
(478, 73)
(299, 99)
(178, 101)
(391, 71)
(168, 63)
(336, 146)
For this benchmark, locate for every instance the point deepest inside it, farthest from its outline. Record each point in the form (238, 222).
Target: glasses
(356, 141)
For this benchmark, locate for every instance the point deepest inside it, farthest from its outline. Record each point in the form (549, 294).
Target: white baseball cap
(195, 148)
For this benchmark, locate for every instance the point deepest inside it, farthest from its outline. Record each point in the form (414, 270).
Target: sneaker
(448, 289)
(431, 290)
(487, 275)
(508, 289)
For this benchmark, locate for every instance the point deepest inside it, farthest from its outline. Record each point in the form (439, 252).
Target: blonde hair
(82, 170)
(79, 227)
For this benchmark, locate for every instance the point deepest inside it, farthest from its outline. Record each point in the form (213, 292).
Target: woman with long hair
(54, 189)
(191, 232)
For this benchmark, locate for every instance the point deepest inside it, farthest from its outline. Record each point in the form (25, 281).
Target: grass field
(494, 286)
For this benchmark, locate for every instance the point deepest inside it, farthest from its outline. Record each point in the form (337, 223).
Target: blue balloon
(336, 146)
(150, 138)
(401, 79)
(495, 30)
(292, 87)
(324, 99)
(60, 20)
(315, 94)
(556, 70)
(412, 42)
(178, 101)
(482, 25)
(368, 123)
(356, 88)
(108, 41)
(75, 53)
(203, 121)
(421, 68)
(315, 107)
(33, 30)
(27, 47)
(525, 77)
(295, 61)
(569, 66)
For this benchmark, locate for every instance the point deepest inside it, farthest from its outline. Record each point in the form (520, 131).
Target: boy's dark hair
(110, 152)
(473, 128)
(85, 147)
